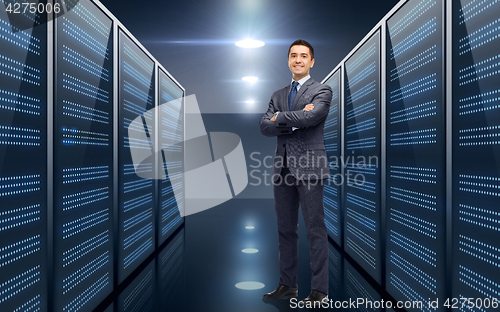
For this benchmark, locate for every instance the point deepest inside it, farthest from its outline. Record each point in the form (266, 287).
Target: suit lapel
(301, 92)
(285, 97)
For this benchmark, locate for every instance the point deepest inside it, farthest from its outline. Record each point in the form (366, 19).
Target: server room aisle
(199, 268)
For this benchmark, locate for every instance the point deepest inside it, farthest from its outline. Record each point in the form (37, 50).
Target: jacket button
(283, 145)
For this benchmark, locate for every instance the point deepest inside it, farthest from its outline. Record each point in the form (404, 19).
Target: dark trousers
(288, 194)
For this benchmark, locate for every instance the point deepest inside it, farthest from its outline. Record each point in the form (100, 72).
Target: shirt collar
(302, 81)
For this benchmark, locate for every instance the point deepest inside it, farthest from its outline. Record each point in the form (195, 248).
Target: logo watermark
(27, 14)
(208, 168)
(356, 169)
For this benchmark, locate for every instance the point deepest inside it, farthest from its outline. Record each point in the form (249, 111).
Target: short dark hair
(302, 43)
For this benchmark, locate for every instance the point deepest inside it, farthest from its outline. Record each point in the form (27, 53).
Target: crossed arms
(311, 115)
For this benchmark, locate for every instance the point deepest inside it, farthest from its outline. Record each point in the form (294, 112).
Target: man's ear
(312, 63)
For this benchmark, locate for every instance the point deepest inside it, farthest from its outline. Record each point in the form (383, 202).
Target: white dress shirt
(301, 82)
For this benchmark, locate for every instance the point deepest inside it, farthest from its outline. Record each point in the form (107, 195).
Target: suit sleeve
(269, 128)
(303, 119)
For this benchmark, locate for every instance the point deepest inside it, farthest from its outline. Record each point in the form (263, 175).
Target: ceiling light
(250, 78)
(250, 44)
(250, 102)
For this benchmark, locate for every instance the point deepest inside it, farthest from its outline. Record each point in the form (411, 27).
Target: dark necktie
(293, 93)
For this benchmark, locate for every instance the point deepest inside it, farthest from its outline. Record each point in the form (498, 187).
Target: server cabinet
(333, 186)
(362, 222)
(476, 152)
(136, 200)
(83, 157)
(171, 141)
(416, 147)
(23, 162)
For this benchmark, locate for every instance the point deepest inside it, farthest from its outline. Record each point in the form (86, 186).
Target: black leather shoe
(282, 291)
(315, 296)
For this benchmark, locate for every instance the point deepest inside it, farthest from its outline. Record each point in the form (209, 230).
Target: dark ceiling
(195, 41)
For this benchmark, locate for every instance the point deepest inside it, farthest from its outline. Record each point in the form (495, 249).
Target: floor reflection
(348, 285)
(139, 295)
(171, 275)
(199, 268)
(160, 285)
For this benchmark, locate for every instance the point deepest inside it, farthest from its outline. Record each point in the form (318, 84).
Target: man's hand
(273, 119)
(308, 107)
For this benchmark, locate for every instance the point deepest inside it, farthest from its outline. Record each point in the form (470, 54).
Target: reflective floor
(224, 259)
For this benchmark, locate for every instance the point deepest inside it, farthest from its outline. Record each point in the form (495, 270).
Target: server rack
(416, 148)
(333, 186)
(23, 155)
(137, 196)
(439, 151)
(475, 179)
(362, 137)
(170, 133)
(60, 181)
(83, 157)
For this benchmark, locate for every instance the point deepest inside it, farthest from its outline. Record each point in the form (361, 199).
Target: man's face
(299, 61)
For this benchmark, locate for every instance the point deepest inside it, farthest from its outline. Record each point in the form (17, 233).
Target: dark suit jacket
(305, 149)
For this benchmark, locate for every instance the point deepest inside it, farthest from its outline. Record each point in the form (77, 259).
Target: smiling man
(296, 116)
